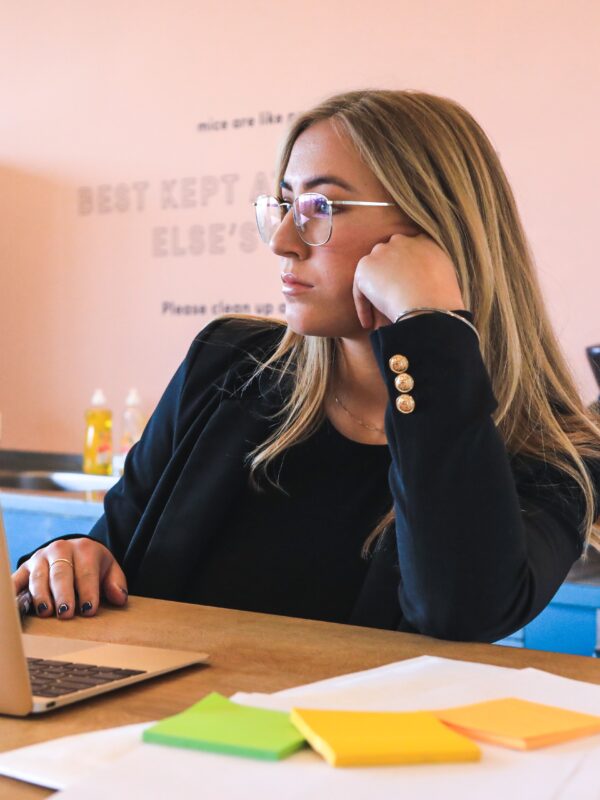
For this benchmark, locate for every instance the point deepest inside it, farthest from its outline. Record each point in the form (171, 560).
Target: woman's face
(317, 281)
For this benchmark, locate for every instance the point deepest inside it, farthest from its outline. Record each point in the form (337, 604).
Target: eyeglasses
(313, 215)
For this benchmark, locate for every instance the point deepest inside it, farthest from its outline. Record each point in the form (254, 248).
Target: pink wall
(109, 96)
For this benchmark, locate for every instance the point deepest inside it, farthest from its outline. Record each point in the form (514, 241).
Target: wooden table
(249, 652)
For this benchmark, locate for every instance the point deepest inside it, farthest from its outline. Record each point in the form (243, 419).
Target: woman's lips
(293, 285)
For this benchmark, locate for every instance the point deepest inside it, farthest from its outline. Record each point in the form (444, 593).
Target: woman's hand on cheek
(401, 273)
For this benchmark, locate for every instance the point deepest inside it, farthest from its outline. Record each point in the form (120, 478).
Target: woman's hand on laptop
(69, 575)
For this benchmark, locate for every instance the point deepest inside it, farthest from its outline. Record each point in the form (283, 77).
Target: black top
(300, 545)
(482, 539)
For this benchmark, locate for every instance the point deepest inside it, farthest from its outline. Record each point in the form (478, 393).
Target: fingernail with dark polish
(42, 607)
(62, 608)
(87, 606)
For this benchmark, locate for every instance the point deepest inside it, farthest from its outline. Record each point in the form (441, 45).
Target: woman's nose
(286, 240)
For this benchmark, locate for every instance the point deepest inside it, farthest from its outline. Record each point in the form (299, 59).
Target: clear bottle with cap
(98, 446)
(132, 427)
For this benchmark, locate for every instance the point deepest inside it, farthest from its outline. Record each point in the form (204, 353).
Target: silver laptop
(39, 673)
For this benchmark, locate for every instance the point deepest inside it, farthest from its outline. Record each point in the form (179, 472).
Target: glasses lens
(268, 216)
(312, 215)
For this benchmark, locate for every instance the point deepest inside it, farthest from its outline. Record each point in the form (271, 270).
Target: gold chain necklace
(361, 422)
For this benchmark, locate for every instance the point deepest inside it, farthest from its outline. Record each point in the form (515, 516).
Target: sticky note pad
(519, 724)
(361, 738)
(220, 726)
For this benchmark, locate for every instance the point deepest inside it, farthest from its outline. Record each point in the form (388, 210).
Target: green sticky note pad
(217, 725)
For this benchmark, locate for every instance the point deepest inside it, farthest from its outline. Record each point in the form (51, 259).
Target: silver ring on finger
(58, 560)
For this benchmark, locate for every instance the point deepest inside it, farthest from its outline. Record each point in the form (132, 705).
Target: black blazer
(482, 541)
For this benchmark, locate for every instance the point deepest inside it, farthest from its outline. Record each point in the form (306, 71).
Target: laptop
(40, 673)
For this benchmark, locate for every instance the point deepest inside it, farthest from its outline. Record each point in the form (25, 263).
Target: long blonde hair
(440, 168)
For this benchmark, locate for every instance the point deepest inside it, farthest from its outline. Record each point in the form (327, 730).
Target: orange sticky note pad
(365, 738)
(519, 724)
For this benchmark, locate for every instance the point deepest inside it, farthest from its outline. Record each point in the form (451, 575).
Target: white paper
(155, 771)
(411, 685)
(61, 762)
(584, 784)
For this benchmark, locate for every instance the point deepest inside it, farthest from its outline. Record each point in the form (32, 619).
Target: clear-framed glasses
(312, 212)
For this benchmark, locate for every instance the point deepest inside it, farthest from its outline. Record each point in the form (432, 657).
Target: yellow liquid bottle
(98, 446)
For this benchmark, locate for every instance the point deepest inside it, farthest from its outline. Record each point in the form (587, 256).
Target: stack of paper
(360, 738)
(217, 725)
(566, 772)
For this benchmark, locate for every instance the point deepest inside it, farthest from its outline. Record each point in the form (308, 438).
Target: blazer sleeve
(479, 553)
(193, 388)
(125, 503)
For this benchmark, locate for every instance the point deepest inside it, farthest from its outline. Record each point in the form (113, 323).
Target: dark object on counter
(29, 460)
(593, 353)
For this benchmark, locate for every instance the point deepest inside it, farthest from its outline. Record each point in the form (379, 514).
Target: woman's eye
(321, 206)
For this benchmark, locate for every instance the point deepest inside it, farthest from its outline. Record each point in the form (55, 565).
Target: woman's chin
(307, 324)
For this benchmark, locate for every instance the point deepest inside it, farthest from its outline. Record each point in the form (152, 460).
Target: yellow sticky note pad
(519, 724)
(362, 738)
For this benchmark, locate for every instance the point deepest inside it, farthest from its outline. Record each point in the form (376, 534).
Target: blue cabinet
(31, 520)
(568, 624)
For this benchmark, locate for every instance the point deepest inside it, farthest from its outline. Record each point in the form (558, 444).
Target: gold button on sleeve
(404, 382)
(405, 403)
(398, 363)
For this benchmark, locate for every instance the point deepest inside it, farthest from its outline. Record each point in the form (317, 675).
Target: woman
(388, 457)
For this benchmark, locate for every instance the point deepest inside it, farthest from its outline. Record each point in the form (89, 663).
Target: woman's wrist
(419, 310)
(398, 303)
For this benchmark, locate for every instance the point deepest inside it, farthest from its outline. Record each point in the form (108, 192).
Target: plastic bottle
(98, 447)
(132, 429)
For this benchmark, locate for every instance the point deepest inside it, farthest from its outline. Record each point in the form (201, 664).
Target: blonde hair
(440, 168)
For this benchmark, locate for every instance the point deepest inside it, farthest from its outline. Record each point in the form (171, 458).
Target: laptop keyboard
(55, 678)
